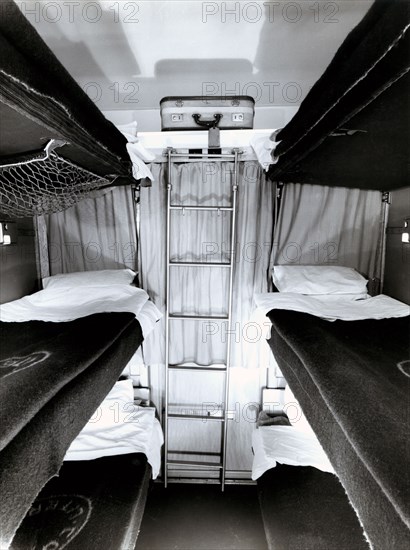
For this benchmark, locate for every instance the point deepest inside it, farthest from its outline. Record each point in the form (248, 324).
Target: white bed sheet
(148, 317)
(334, 308)
(118, 427)
(286, 445)
(61, 305)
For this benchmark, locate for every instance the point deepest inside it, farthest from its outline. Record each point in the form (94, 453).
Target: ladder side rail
(229, 322)
(167, 282)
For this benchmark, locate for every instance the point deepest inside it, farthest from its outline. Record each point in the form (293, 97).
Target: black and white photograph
(204, 275)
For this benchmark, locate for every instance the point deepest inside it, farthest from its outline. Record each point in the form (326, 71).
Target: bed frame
(351, 381)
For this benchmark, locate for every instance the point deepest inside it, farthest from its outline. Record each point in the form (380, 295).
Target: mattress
(351, 379)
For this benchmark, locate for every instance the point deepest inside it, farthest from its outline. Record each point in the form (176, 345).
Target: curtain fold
(329, 225)
(96, 233)
(205, 237)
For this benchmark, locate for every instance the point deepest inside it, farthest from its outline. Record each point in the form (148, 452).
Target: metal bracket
(386, 197)
(214, 138)
(33, 156)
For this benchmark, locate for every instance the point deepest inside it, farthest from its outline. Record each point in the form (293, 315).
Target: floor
(202, 517)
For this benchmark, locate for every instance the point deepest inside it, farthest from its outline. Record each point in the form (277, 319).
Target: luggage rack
(213, 461)
(202, 155)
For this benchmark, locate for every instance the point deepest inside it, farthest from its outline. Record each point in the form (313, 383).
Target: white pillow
(318, 279)
(104, 277)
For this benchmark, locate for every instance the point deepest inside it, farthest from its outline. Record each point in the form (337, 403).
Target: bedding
(78, 509)
(43, 101)
(54, 376)
(377, 307)
(35, 453)
(302, 502)
(118, 427)
(286, 445)
(103, 277)
(306, 509)
(295, 413)
(49, 356)
(148, 317)
(318, 279)
(52, 304)
(351, 381)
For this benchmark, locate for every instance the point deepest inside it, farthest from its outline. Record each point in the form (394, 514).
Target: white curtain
(329, 225)
(97, 233)
(205, 236)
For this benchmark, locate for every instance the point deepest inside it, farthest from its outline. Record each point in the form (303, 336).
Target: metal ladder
(172, 155)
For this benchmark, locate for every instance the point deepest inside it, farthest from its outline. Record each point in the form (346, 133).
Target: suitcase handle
(207, 123)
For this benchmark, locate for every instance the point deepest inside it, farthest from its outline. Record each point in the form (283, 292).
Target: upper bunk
(352, 129)
(55, 144)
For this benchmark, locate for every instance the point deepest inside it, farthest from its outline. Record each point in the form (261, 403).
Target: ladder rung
(198, 207)
(197, 417)
(204, 155)
(219, 368)
(201, 264)
(197, 463)
(199, 317)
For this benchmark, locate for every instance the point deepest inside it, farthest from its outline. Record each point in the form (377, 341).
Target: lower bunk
(345, 356)
(355, 395)
(91, 505)
(306, 509)
(63, 349)
(98, 499)
(303, 504)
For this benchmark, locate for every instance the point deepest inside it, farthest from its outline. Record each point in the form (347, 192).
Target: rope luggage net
(44, 185)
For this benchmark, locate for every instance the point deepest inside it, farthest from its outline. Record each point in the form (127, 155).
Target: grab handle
(207, 123)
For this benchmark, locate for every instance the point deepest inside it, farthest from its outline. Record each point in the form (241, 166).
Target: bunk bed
(58, 361)
(349, 376)
(346, 357)
(350, 130)
(56, 148)
(303, 504)
(55, 144)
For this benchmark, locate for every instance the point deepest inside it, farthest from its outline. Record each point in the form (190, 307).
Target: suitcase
(204, 112)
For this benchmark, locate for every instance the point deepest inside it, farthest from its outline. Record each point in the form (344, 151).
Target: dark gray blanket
(91, 505)
(39, 358)
(351, 379)
(34, 83)
(36, 452)
(306, 509)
